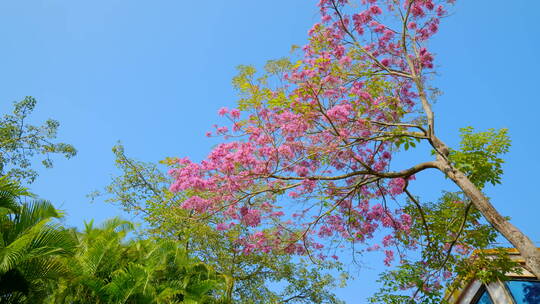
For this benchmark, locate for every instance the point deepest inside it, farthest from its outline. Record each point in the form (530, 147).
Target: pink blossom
(388, 240)
(325, 231)
(440, 11)
(222, 227)
(277, 214)
(326, 18)
(426, 59)
(345, 60)
(294, 194)
(222, 130)
(248, 248)
(406, 219)
(417, 10)
(251, 217)
(235, 113)
(340, 112)
(301, 171)
(396, 186)
(389, 257)
(196, 203)
(223, 111)
(375, 10)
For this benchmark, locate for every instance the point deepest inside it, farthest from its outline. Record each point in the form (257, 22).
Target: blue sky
(153, 74)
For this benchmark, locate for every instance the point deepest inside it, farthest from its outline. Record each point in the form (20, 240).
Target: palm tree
(31, 245)
(107, 268)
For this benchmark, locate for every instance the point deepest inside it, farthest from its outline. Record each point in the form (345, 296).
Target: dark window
(483, 297)
(525, 292)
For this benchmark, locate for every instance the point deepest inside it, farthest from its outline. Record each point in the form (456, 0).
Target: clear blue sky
(153, 74)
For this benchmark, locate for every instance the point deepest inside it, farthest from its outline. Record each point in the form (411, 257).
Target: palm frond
(10, 191)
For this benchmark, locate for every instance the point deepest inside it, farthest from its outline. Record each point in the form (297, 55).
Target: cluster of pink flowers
(324, 145)
(250, 217)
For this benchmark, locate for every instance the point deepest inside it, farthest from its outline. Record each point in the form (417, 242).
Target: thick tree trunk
(521, 242)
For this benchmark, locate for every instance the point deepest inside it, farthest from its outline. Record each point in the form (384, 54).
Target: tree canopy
(109, 268)
(306, 161)
(142, 188)
(20, 141)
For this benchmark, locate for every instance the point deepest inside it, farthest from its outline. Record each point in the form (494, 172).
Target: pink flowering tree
(307, 159)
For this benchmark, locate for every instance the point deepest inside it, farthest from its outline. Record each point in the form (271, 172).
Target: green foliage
(487, 265)
(405, 142)
(10, 192)
(452, 215)
(393, 283)
(109, 268)
(256, 91)
(20, 142)
(42, 262)
(479, 155)
(446, 232)
(31, 244)
(278, 66)
(142, 188)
